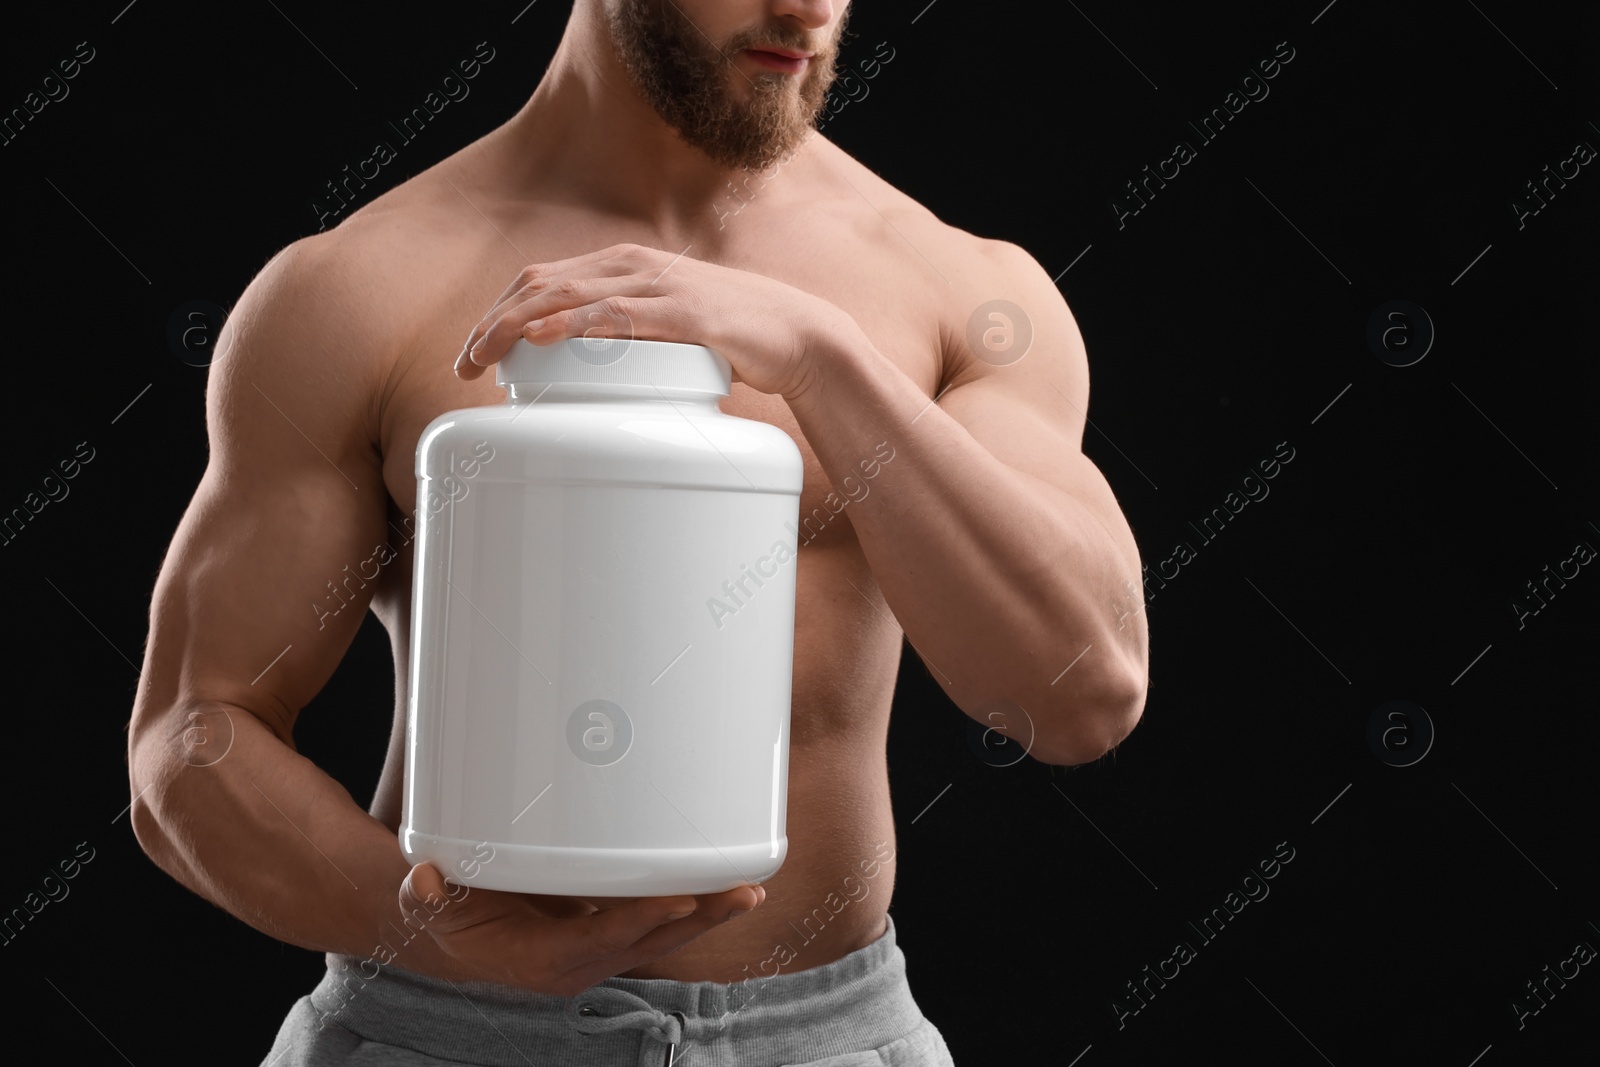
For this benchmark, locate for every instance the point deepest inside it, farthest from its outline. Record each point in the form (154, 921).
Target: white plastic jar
(602, 629)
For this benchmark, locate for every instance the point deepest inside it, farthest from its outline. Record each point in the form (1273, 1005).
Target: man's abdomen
(831, 894)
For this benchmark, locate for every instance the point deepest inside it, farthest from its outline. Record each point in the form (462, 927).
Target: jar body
(602, 647)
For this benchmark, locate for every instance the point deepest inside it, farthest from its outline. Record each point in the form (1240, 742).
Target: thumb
(425, 891)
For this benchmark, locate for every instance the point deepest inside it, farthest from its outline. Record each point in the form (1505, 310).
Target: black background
(1229, 315)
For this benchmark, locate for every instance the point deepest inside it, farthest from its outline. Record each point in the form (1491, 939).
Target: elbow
(159, 750)
(145, 772)
(155, 812)
(162, 841)
(1092, 728)
(147, 828)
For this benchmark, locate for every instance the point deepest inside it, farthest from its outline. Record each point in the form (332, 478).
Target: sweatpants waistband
(861, 1000)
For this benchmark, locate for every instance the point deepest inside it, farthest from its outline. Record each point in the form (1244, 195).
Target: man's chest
(901, 320)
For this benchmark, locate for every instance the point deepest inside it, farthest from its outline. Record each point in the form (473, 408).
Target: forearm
(1006, 586)
(269, 837)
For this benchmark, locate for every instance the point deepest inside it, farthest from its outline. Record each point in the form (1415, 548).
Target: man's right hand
(556, 944)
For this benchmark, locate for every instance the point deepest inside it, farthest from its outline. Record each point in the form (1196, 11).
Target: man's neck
(587, 134)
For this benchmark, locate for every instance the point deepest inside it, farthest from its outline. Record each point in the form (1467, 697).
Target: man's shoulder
(327, 319)
(921, 227)
(363, 290)
(966, 276)
(377, 264)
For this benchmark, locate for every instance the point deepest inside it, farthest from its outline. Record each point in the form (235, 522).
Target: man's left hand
(768, 331)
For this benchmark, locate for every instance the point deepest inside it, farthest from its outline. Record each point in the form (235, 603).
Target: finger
(423, 884)
(615, 929)
(424, 891)
(603, 934)
(494, 334)
(740, 896)
(474, 358)
(559, 907)
(527, 280)
(529, 283)
(569, 307)
(465, 369)
(626, 311)
(530, 280)
(535, 277)
(506, 323)
(450, 907)
(594, 904)
(629, 936)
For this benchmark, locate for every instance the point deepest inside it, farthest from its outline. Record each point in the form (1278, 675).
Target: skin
(843, 307)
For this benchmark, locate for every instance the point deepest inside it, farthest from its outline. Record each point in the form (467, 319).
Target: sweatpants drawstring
(603, 1009)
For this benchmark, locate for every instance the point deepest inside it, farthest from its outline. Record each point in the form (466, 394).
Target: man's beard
(687, 80)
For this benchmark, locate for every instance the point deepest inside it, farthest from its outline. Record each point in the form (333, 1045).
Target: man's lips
(788, 62)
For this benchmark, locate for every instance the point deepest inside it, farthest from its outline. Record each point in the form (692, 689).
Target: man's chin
(759, 158)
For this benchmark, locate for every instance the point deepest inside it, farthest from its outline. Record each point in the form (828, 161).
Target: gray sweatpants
(854, 1012)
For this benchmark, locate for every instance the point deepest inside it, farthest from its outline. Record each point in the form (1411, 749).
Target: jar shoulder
(610, 440)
